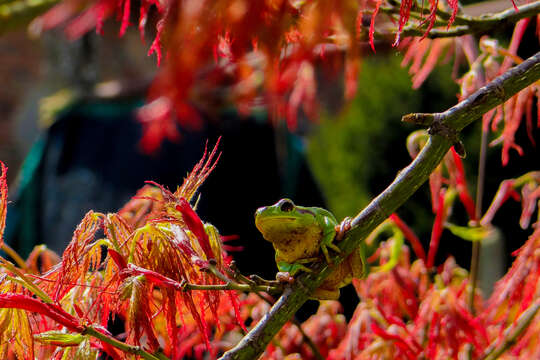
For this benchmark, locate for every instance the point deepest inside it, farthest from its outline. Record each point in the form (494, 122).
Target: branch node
(421, 119)
(440, 128)
(183, 285)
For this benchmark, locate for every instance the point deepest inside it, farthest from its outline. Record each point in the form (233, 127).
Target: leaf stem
(231, 285)
(135, 350)
(477, 245)
(478, 24)
(309, 342)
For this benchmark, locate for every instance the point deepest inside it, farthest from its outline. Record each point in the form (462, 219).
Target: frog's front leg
(328, 241)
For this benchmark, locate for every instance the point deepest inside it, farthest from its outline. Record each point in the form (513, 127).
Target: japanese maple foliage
(152, 270)
(136, 273)
(157, 269)
(485, 60)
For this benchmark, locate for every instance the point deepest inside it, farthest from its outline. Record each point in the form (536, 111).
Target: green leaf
(58, 338)
(469, 233)
(395, 253)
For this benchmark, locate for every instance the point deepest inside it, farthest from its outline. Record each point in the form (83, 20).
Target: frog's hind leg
(358, 263)
(325, 294)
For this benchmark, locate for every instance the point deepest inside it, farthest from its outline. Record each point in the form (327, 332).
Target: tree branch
(477, 24)
(406, 183)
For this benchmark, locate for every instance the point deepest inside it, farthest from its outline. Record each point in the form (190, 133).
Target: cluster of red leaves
(513, 295)
(442, 326)
(249, 50)
(485, 60)
(512, 112)
(530, 195)
(136, 273)
(407, 315)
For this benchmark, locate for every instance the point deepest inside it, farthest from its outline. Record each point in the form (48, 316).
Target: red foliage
(195, 225)
(54, 312)
(410, 236)
(436, 232)
(530, 193)
(136, 272)
(244, 46)
(157, 245)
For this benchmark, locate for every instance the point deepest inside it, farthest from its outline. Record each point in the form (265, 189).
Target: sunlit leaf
(79, 255)
(59, 338)
(470, 233)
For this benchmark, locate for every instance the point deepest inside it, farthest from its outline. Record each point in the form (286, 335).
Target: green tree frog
(299, 236)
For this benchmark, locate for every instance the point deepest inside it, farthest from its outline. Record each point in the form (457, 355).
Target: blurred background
(71, 139)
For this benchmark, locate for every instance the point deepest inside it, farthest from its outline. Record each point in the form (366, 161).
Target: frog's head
(283, 217)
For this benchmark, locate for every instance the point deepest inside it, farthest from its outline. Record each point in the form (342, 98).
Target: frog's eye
(286, 206)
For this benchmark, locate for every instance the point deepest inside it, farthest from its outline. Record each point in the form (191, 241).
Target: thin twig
(307, 339)
(130, 349)
(476, 246)
(251, 286)
(184, 286)
(478, 24)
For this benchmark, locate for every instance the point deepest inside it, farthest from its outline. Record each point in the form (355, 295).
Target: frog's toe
(284, 277)
(343, 227)
(334, 247)
(324, 249)
(304, 268)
